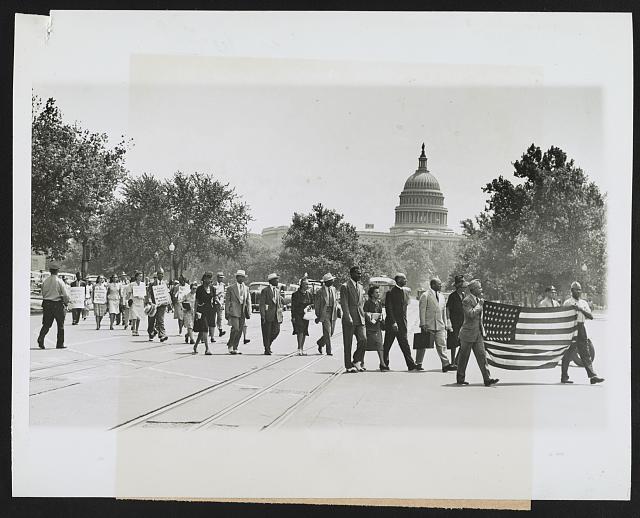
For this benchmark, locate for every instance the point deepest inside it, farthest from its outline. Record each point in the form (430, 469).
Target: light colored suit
(237, 310)
(471, 338)
(270, 315)
(326, 306)
(433, 317)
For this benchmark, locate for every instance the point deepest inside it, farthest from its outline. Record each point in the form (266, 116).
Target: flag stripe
(546, 325)
(559, 311)
(551, 320)
(491, 347)
(549, 365)
(528, 343)
(532, 338)
(545, 331)
(535, 357)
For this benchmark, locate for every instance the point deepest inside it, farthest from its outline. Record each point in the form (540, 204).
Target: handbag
(424, 340)
(186, 306)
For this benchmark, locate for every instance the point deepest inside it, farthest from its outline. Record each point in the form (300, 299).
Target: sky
(285, 147)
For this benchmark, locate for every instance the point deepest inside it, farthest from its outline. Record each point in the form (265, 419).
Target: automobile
(92, 278)
(289, 290)
(67, 277)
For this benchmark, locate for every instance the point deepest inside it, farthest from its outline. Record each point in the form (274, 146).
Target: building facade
(420, 215)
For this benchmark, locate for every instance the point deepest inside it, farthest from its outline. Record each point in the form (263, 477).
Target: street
(112, 380)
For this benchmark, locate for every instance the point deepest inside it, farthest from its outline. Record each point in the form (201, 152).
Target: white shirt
(241, 291)
(440, 324)
(220, 292)
(330, 301)
(580, 303)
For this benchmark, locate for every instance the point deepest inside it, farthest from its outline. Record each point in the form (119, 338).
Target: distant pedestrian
(327, 312)
(124, 307)
(113, 300)
(301, 303)
(433, 320)
(135, 301)
(54, 298)
(77, 312)
(374, 321)
(471, 335)
(549, 300)
(188, 303)
(204, 322)
(352, 299)
(396, 302)
(580, 342)
(271, 304)
(155, 319)
(180, 288)
(99, 300)
(220, 292)
(455, 315)
(237, 310)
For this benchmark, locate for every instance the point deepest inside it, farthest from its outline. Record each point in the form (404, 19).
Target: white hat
(576, 285)
(327, 277)
(272, 276)
(220, 274)
(241, 272)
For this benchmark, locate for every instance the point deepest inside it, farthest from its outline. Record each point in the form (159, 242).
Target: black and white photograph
(364, 257)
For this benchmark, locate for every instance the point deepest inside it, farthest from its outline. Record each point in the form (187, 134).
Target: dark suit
(456, 317)
(270, 315)
(471, 338)
(396, 302)
(352, 304)
(155, 323)
(77, 312)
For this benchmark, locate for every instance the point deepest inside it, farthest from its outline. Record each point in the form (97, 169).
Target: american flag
(519, 338)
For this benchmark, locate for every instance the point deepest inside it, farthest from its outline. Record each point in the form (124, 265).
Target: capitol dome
(421, 205)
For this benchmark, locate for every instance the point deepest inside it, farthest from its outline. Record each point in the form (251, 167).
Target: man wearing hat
(54, 297)
(237, 310)
(220, 289)
(327, 311)
(548, 301)
(155, 320)
(396, 302)
(352, 298)
(271, 303)
(472, 335)
(455, 315)
(580, 342)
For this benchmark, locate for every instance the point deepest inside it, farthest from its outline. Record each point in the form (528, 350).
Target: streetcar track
(147, 416)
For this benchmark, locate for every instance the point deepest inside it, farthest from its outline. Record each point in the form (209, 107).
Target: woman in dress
(113, 300)
(99, 309)
(136, 302)
(124, 307)
(188, 304)
(205, 312)
(374, 322)
(176, 292)
(300, 301)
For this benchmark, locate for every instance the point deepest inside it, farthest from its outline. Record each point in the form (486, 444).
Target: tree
(199, 215)
(317, 243)
(414, 260)
(74, 174)
(539, 232)
(256, 258)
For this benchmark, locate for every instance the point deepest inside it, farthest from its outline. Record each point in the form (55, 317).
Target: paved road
(110, 379)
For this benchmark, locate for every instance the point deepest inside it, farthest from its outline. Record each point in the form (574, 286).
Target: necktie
(437, 298)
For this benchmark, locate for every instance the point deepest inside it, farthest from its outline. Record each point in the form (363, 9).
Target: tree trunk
(86, 257)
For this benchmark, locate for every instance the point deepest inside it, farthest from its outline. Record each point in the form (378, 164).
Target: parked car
(254, 292)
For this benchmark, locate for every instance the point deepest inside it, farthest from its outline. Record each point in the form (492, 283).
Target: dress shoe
(566, 380)
(419, 367)
(151, 338)
(74, 323)
(462, 382)
(221, 332)
(352, 369)
(41, 345)
(383, 368)
(595, 380)
(452, 367)
(235, 351)
(358, 366)
(207, 352)
(186, 339)
(191, 342)
(267, 353)
(232, 351)
(64, 347)
(164, 338)
(491, 381)
(246, 341)
(414, 369)
(329, 353)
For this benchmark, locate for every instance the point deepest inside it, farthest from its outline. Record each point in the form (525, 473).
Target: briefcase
(424, 340)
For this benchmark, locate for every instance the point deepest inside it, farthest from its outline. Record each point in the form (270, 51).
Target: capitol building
(420, 215)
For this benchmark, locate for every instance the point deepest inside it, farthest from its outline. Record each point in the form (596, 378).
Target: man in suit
(271, 303)
(433, 319)
(352, 300)
(471, 335)
(237, 310)
(76, 312)
(455, 315)
(156, 322)
(327, 311)
(396, 302)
